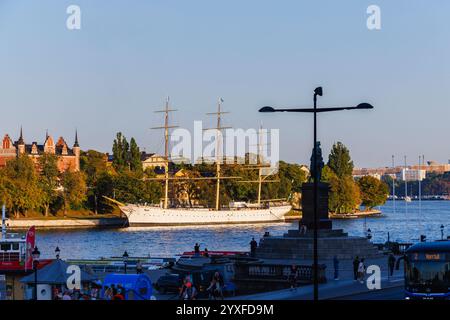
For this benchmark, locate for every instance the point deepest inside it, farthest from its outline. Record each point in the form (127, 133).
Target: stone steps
(343, 247)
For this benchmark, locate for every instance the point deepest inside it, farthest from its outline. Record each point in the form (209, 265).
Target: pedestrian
(188, 291)
(206, 253)
(120, 295)
(253, 247)
(215, 288)
(361, 271)
(66, 296)
(293, 277)
(391, 263)
(113, 289)
(94, 293)
(336, 268)
(355, 268)
(139, 267)
(108, 295)
(197, 250)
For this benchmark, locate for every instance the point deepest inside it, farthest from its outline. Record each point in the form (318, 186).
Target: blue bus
(427, 271)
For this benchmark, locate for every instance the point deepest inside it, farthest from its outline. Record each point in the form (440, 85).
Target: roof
(56, 273)
(430, 247)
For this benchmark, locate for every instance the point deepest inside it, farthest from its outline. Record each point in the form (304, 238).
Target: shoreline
(117, 222)
(66, 223)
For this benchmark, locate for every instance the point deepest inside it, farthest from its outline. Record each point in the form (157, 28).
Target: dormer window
(34, 149)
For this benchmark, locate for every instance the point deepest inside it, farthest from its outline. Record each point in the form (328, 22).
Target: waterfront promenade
(332, 290)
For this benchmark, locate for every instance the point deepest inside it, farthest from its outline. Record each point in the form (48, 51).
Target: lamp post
(125, 261)
(442, 232)
(317, 92)
(35, 254)
(57, 252)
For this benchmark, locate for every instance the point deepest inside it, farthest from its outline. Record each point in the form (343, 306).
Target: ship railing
(9, 256)
(276, 272)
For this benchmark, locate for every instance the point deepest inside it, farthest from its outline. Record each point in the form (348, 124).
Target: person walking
(336, 267)
(355, 268)
(197, 250)
(361, 271)
(108, 295)
(188, 291)
(293, 277)
(206, 253)
(253, 247)
(391, 263)
(139, 267)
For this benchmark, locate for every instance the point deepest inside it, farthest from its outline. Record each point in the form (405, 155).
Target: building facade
(68, 158)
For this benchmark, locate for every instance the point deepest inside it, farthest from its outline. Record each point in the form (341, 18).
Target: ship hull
(147, 216)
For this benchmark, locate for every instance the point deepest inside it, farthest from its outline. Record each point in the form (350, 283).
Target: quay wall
(68, 223)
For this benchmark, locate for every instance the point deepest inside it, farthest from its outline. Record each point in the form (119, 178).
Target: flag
(30, 244)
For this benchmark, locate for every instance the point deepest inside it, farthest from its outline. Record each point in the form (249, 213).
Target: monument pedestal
(307, 220)
(298, 244)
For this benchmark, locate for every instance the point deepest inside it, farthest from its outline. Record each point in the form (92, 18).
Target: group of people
(197, 252)
(87, 293)
(114, 292)
(359, 269)
(189, 291)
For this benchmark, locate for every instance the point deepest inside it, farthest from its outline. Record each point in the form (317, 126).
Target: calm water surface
(405, 223)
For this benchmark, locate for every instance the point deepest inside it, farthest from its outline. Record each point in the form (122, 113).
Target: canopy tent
(56, 274)
(137, 286)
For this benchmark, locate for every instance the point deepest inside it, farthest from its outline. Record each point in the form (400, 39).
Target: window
(5, 246)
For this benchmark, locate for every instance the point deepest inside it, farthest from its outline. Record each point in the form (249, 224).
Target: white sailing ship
(236, 213)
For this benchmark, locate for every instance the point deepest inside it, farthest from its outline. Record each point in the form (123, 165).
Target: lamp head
(267, 109)
(36, 254)
(364, 106)
(318, 91)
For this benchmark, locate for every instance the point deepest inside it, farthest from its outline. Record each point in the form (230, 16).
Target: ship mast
(166, 128)
(260, 165)
(218, 129)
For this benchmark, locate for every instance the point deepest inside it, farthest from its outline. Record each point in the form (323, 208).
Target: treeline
(347, 195)
(26, 187)
(433, 185)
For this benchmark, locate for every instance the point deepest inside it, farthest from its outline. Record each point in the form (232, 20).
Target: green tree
(373, 192)
(344, 196)
(120, 152)
(48, 180)
(73, 189)
(339, 160)
(135, 157)
(24, 190)
(94, 165)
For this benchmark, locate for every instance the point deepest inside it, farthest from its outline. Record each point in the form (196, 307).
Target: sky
(128, 56)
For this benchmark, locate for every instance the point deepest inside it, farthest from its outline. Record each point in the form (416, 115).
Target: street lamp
(125, 260)
(442, 232)
(35, 255)
(57, 252)
(317, 92)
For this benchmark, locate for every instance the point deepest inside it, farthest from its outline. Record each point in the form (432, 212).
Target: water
(405, 225)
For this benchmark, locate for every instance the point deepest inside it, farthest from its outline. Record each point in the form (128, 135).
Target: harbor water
(405, 222)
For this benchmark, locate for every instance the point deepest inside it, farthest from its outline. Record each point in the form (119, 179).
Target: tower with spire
(76, 151)
(21, 143)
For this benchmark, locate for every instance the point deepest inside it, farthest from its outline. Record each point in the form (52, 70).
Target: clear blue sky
(129, 55)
